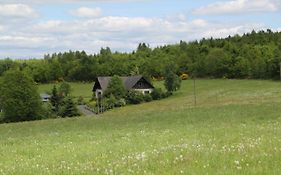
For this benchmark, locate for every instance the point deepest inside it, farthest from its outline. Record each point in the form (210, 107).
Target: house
(45, 97)
(138, 83)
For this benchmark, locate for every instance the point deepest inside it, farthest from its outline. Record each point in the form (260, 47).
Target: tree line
(254, 55)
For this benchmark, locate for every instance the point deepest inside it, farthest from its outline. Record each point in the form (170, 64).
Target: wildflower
(236, 162)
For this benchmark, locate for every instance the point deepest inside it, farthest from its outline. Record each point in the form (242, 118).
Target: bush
(157, 94)
(134, 97)
(147, 98)
(184, 76)
(167, 94)
(110, 102)
(121, 102)
(92, 104)
(47, 111)
(81, 101)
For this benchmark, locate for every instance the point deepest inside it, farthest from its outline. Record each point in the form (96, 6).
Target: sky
(32, 28)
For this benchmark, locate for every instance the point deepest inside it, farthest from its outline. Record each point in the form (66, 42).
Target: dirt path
(85, 110)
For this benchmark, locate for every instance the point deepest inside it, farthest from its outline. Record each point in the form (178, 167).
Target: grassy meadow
(77, 89)
(235, 128)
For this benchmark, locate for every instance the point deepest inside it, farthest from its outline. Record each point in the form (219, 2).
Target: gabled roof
(129, 82)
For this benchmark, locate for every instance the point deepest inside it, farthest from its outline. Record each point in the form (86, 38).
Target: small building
(45, 97)
(138, 83)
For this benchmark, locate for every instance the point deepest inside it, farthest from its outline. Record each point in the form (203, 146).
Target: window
(146, 92)
(99, 94)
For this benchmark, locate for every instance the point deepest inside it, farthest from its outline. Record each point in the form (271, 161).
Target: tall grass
(235, 128)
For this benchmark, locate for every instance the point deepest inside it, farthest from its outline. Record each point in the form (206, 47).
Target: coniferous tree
(55, 99)
(68, 108)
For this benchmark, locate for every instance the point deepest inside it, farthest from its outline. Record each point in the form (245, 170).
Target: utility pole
(99, 103)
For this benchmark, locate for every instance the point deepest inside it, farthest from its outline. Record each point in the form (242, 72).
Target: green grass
(77, 89)
(234, 129)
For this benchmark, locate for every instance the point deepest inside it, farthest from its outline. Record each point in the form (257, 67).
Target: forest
(254, 55)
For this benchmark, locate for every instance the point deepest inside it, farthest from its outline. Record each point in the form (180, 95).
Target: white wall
(97, 92)
(139, 90)
(144, 90)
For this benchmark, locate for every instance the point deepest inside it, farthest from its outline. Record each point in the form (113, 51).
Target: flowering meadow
(234, 128)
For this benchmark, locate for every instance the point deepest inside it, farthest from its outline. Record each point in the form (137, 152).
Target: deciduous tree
(19, 98)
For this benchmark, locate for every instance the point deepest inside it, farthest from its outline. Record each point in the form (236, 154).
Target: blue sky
(30, 29)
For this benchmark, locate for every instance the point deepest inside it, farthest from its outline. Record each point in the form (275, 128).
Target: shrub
(47, 111)
(147, 98)
(80, 101)
(92, 104)
(110, 102)
(121, 102)
(167, 94)
(184, 76)
(157, 94)
(134, 97)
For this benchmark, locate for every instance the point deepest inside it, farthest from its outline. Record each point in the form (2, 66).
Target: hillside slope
(235, 128)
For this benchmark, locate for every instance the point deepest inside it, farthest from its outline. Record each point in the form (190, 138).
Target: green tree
(64, 89)
(116, 88)
(54, 70)
(19, 98)
(217, 63)
(172, 80)
(68, 108)
(134, 97)
(55, 99)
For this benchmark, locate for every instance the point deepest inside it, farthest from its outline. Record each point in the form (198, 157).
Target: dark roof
(129, 82)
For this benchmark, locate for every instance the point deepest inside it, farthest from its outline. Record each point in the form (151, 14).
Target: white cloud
(199, 23)
(85, 12)
(227, 29)
(17, 11)
(63, 1)
(238, 7)
(119, 33)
